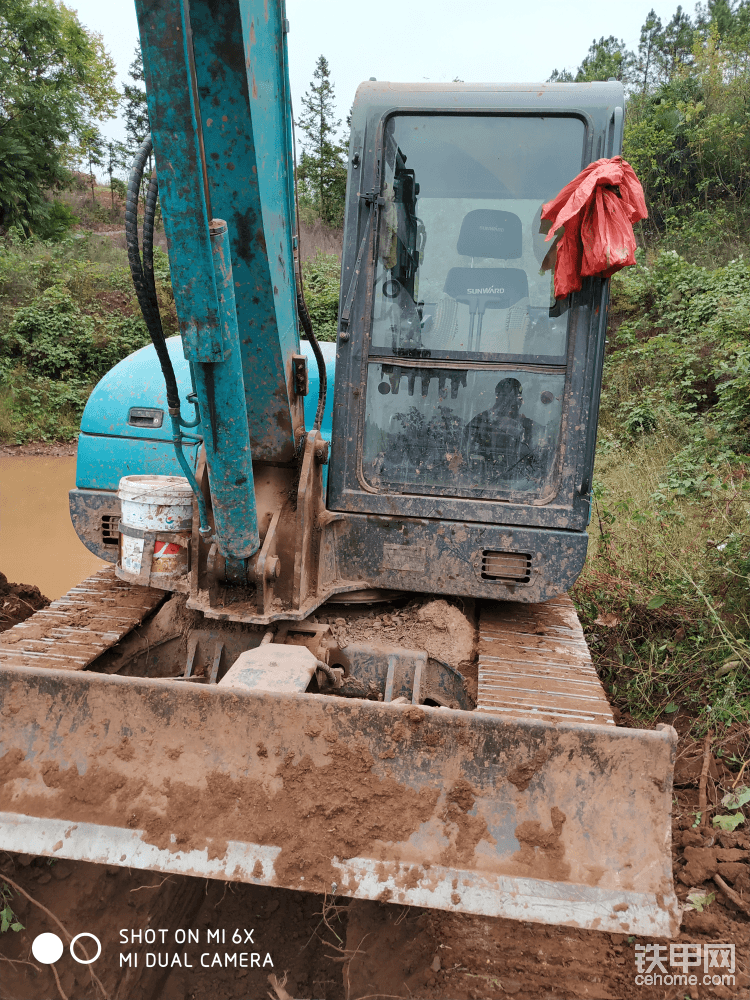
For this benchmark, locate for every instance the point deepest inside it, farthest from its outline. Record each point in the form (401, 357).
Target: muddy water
(38, 543)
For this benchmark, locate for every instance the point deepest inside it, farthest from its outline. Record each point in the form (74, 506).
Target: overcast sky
(416, 40)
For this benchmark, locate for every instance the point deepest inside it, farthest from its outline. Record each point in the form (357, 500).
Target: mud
(289, 936)
(58, 449)
(320, 779)
(38, 542)
(442, 629)
(326, 948)
(402, 953)
(18, 601)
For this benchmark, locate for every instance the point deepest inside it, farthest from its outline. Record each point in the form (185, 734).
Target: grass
(68, 313)
(663, 607)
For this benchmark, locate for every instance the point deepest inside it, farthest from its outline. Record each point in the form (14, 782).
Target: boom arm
(221, 129)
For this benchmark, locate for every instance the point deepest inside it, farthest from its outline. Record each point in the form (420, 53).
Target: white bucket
(155, 503)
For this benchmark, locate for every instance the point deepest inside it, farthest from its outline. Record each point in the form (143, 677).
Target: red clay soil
(255, 932)
(18, 601)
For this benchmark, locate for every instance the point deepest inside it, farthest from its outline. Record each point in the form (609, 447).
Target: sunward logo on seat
(485, 291)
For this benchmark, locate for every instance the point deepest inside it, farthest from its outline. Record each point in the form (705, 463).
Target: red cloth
(598, 237)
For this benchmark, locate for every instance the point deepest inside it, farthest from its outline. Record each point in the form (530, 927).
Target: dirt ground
(57, 449)
(222, 941)
(439, 627)
(18, 601)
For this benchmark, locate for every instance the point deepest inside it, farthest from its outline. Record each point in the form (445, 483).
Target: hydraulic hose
(145, 290)
(149, 216)
(144, 286)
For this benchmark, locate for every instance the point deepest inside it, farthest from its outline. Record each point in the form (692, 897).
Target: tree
(56, 78)
(116, 158)
(135, 106)
(92, 147)
(650, 43)
(605, 59)
(321, 169)
(561, 76)
(676, 49)
(721, 13)
(137, 125)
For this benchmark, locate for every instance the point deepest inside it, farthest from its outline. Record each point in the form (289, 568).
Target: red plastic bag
(597, 210)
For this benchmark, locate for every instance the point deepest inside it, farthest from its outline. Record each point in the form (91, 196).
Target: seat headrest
(487, 287)
(488, 232)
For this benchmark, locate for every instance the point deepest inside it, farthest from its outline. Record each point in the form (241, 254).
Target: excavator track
(534, 663)
(74, 630)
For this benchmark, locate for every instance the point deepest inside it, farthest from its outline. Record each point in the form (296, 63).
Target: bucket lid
(155, 489)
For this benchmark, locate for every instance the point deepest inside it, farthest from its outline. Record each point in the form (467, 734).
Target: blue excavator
(224, 699)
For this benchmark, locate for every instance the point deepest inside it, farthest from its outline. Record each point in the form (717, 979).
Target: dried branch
(278, 988)
(731, 894)
(702, 800)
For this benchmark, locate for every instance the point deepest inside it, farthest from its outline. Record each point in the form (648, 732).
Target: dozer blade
(559, 823)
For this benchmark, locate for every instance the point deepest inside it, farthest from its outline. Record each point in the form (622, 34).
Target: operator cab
(472, 384)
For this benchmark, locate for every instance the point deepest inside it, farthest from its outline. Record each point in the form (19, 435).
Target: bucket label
(131, 553)
(165, 549)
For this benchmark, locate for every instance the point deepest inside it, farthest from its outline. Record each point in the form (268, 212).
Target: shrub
(52, 338)
(321, 277)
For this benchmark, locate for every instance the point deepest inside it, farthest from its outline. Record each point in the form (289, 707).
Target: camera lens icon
(48, 948)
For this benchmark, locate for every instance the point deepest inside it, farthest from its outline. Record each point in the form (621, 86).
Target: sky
(415, 40)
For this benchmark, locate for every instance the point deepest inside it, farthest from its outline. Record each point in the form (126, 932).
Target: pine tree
(321, 170)
(676, 50)
(137, 125)
(606, 58)
(134, 101)
(652, 39)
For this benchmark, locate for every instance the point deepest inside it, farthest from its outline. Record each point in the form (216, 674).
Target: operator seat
(490, 234)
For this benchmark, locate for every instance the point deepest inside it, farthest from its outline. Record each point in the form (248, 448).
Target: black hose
(304, 316)
(144, 283)
(149, 216)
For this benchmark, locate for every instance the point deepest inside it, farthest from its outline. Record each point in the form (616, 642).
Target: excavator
(204, 705)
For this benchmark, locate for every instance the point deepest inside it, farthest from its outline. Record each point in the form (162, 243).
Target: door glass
(459, 242)
(467, 354)
(477, 431)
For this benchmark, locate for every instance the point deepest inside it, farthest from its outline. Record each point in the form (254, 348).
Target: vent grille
(110, 528)
(507, 567)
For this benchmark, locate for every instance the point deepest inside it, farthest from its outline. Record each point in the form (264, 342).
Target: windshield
(458, 280)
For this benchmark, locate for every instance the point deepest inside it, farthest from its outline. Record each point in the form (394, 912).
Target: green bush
(52, 338)
(40, 409)
(67, 315)
(321, 277)
(56, 223)
(680, 359)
